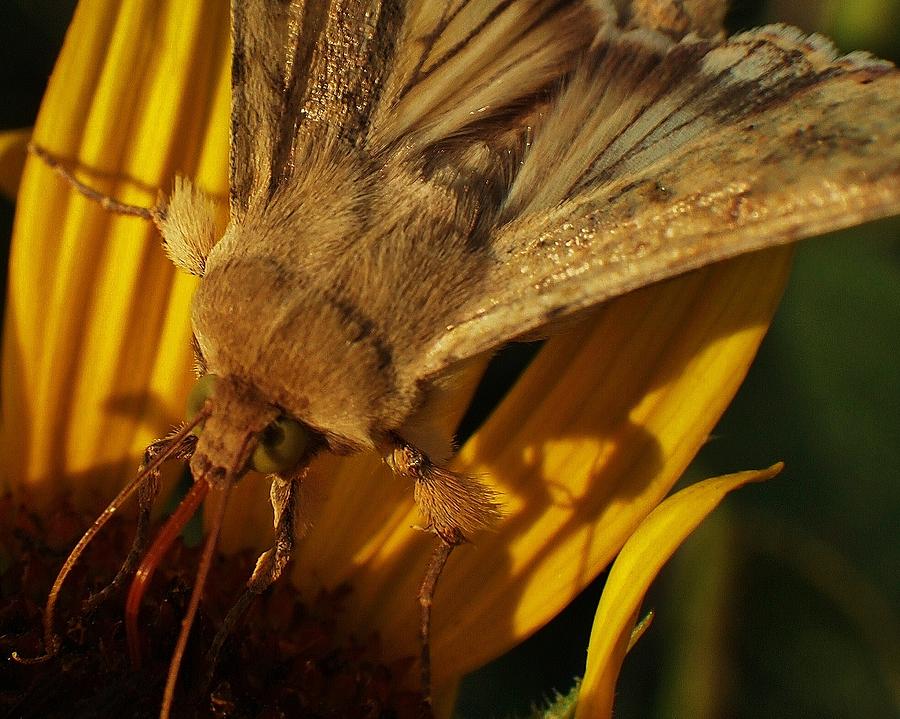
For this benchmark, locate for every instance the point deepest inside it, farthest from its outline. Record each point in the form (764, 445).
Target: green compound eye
(203, 389)
(281, 446)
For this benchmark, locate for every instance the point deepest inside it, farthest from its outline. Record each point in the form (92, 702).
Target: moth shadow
(569, 528)
(146, 407)
(90, 488)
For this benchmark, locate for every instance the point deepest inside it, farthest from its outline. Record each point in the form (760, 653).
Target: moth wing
(304, 74)
(458, 61)
(260, 35)
(699, 152)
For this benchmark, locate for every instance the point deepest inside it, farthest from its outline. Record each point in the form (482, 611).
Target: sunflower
(584, 448)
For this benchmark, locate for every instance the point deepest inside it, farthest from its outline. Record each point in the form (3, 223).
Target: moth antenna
(105, 201)
(187, 622)
(51, 639)
(152, 559)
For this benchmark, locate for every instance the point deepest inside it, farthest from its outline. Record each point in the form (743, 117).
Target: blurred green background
(785, 603)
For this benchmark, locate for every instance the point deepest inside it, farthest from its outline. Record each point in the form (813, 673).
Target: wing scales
(304, 73)
(373, 73)
(259, 31)
(765, 140)
(458, 61)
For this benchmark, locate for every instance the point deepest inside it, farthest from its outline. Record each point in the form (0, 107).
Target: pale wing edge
(530, 315)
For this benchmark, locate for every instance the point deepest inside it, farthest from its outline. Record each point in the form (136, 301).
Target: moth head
(242, 431)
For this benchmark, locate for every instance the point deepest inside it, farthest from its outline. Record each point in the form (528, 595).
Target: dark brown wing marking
(302, 72)
(462, 61)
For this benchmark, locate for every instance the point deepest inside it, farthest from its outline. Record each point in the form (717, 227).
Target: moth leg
(427, 588)
(454, 505)
(147, 494)
(269, 566)
(51, 638)
(105, 201)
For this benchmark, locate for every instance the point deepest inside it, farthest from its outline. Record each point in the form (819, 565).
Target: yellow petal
(13, 150)
(587, 444)
(96, 346)
(631, 575)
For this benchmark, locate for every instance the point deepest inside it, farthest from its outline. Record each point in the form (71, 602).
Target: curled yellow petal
(629, 579)
(13, 150)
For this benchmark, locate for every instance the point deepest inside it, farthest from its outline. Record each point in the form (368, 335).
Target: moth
(414, 184)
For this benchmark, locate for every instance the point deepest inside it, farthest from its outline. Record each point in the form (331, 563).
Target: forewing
(678, 156)
(304, 74)
(259, 31)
